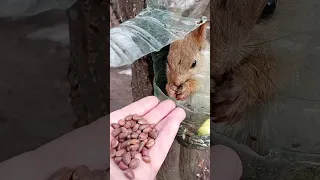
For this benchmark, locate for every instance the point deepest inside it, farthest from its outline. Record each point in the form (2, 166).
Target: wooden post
(88, 72)
(142, 69)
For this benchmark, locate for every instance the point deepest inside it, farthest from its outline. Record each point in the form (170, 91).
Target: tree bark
(142, 69)
(88, 68)
(181, 163)
(142, 78)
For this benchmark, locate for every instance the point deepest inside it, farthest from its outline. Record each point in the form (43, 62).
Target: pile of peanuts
(80, 172)
(132, 135)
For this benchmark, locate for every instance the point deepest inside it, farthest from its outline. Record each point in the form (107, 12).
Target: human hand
(168, 118)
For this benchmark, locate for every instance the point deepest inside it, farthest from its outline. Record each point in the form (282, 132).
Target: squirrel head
(185, 57)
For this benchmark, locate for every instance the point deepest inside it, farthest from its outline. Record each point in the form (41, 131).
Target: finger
(168, 129)
(160, 111)
(174, 119)
(145, 170)
(226, 163)
(140, 107)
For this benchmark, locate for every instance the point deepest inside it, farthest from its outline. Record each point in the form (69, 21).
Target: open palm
(167, 117)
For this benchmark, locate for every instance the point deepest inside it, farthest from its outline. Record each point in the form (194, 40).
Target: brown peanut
(134, 141)
(136, 117)
(123, 135)
(113, 153)
(120, 152)
(127, 125)
(134, 147)
(153, 134)
(150, 143)
(128, 118)
(126, 158)
(146, 159)
(117, 159)
(134, 163)
(141, 127)
(114, 143)
(147, 129)
(124, 130)
(133, 123)
(80, 171)
(125, 144)
(142, 121)
(134, 135)
(115, 132)
(143, 136)
(119, 146)
(144, 152)
(129, 174)
(122, 166)
(115, 125)
(135, 127)
(141, 145)
(121, 122)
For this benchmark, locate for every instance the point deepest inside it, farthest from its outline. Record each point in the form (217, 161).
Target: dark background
(34, 90)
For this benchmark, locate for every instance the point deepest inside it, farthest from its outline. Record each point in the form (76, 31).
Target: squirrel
(185, 60)
(240, 77)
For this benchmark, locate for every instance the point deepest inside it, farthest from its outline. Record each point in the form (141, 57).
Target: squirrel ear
(200, 33)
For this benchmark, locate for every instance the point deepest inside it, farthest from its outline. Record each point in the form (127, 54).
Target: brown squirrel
(184, 63)
(241, 73)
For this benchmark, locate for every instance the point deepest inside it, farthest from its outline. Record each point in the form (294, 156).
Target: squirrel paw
(181, 92)
(171, 90)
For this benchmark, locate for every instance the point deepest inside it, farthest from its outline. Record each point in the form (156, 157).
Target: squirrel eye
(194, 64)
(268, 10)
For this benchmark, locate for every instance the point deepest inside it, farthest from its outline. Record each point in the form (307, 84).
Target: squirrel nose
(179, 81)
(178, 84)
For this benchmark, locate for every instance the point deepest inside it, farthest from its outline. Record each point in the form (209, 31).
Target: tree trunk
(142, 69)
(88, 68)
(181, 163)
